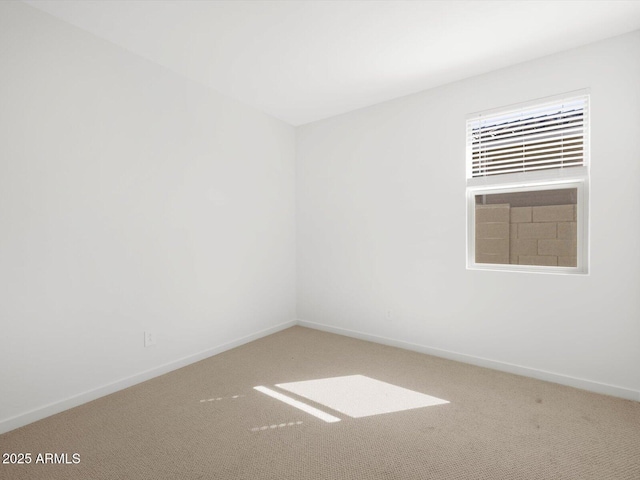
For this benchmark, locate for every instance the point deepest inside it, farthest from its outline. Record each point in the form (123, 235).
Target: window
(527, 187)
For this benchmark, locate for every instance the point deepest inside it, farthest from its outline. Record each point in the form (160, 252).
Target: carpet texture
(206, 421)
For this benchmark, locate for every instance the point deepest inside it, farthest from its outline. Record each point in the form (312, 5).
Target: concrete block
(514, 231)
(568, 248)
(513, 259)
(567, 261)
(492, 258)
(520, 214)
(493, 246)
(549, 261)
(554, 213)
(568, 230)
(537, 230)
(523, 246)
(492, 230)
(492, 213)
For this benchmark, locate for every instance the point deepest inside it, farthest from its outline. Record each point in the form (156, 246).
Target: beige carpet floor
(206, 421)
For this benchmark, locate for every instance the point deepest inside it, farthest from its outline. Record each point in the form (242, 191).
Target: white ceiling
(302, 61)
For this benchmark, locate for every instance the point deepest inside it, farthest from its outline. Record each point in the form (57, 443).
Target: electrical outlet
(149, 339)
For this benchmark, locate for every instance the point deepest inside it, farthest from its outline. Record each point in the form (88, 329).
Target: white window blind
(548, 136)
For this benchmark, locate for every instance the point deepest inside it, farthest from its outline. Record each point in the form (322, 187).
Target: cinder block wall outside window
(535, 235)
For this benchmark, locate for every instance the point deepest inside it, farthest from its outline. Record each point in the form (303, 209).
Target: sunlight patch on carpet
(360, 396)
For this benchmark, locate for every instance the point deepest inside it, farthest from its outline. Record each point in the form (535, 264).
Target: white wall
(370, 238)
(130, 200)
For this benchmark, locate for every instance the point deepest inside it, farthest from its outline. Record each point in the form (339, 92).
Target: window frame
(549, 179)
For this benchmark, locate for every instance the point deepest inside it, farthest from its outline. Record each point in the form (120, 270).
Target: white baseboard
(580, 383)
(84, 397)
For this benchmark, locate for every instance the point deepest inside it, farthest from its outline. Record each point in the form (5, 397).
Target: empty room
(309, 240)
